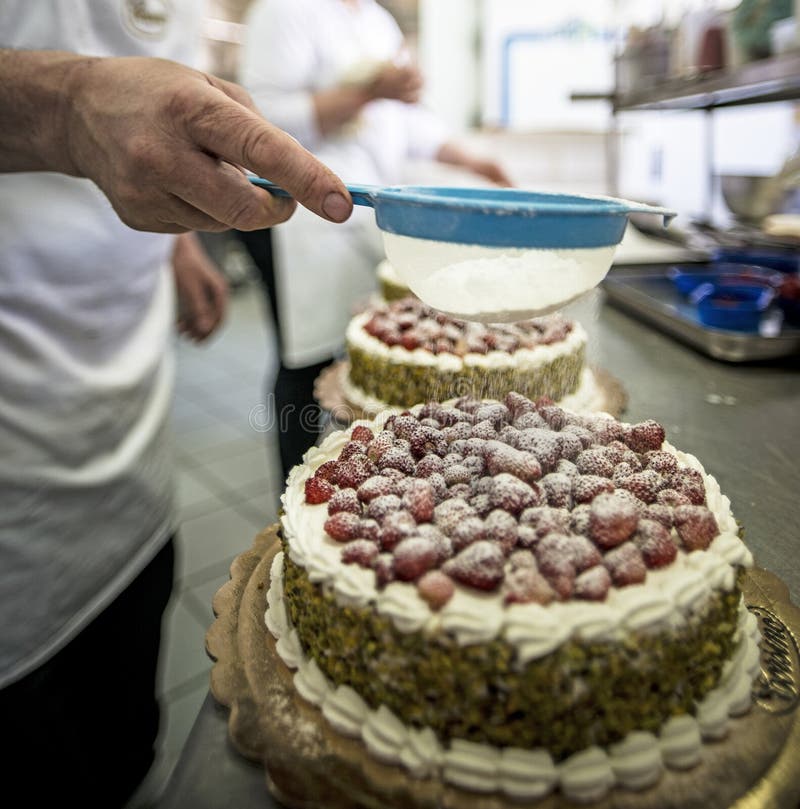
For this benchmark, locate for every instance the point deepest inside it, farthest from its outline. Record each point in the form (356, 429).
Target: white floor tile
(212, 539)
(183, 657)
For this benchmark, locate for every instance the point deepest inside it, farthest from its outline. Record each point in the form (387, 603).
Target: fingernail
(336, 207)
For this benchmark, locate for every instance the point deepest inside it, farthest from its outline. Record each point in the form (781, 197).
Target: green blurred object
(751, 23)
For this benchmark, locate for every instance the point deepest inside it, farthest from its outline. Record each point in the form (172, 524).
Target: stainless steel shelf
(773, 79)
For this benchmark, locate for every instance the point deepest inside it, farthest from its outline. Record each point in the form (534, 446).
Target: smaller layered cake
(404, 352)
(391, 287)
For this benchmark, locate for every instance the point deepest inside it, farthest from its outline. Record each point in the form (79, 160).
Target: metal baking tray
(649, 295)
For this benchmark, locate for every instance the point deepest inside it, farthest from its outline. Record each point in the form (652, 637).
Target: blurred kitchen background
(655, 100)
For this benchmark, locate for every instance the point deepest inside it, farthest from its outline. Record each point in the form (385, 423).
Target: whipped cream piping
(386, 272)
(666, 598)
(588, 398)
(634, 763)
(523, 359)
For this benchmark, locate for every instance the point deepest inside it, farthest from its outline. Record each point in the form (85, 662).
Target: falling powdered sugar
(496, 285)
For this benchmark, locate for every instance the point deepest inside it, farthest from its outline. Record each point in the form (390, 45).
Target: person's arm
(338, 105)
(454, 155)
(163, 142)
(201, 290)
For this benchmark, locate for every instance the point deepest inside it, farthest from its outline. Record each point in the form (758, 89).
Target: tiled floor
(229, 482)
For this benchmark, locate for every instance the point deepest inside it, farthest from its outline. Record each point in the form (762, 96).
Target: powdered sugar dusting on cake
(462, 487)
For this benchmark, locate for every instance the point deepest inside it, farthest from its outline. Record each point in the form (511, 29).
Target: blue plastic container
(776, 259)
(687, 277)
(735, 307)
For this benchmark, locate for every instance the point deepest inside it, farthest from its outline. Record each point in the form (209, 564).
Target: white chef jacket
(292, 49)
(86, 307)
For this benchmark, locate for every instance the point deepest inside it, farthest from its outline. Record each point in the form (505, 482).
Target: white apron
(86, 313)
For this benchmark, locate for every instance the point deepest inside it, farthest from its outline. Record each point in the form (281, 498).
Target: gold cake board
(309, 766)
(329, 393)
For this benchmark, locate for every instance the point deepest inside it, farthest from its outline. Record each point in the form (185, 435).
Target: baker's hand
(401, 83)
(490, 171)
(165, 143)
(200, 288)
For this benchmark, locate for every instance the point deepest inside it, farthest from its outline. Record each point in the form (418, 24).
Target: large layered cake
(513, 598)
(403, 353)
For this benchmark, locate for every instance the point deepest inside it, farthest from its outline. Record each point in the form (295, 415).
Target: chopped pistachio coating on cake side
(581, 695)
(392, 291)
(406, 384)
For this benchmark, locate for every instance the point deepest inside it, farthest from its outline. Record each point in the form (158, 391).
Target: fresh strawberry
(664, 462)
(689, 482)
(396, 458)
(522, 558)
(343, 526)
(350, 449)
(383, 565)
(513, 495)
(544, 444)
(660, 513)
(328, 471)
(595, 461)
(383, 505)
(318, 490)
(672, 497)
(569, 445)
(612, 520)
(436, 588)
(479, 565)
(363, 434)
(396, 526)
(377, 446)
(557, 489)
(696, 526)
(523, 465)
(526, 585)
(484, 429)
(456, 473)
(645, 485)
(414, 556)
(429, 464)
(344, 500)
(360, 552)
(593, 584)
(467, 531)
(625, 564)
(354, 471)
(645, 436)
(419, 500)
(586, 487)
(449, 513)
(529, 420)
(655, 543)
(517, 404)
(500, 527)
(552, 414)
(375, 486)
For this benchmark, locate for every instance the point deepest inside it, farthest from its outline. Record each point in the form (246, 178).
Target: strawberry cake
(510, 598)
(403, 353)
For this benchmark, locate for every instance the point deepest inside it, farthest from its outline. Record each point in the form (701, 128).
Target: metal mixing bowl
(752, 198)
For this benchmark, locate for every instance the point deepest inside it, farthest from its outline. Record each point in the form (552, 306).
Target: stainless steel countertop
(741, 421)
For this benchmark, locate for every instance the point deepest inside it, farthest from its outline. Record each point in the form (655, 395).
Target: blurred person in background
(93, 152)
(337, 75)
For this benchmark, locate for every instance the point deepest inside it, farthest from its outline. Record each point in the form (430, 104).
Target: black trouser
(80, 729)
(297, 416)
